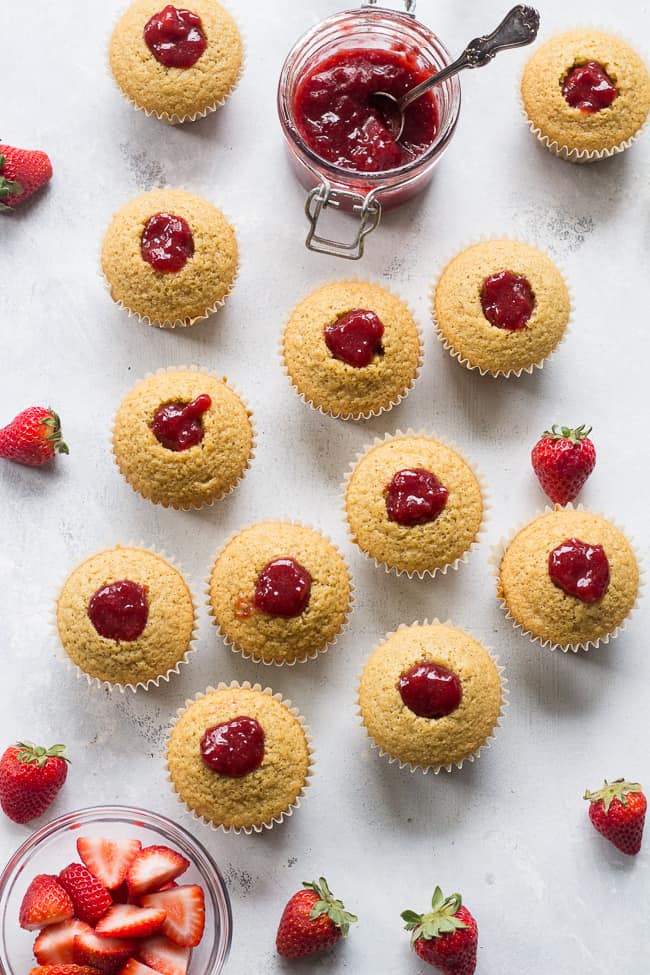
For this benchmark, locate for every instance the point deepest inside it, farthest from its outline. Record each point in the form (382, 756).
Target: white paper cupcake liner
(369, 414)
(258, 828)
(420, 573)
(251, 457)
(472, 756)
(496, 556)
(319, 651)
(499, 373)
(96, 682)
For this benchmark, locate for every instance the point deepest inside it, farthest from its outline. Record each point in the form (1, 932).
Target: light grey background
(511, 832)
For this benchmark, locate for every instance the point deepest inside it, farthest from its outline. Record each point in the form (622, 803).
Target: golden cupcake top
(238, 757)
(352, 349)
(569, 578)
(413, 504)
(182, 438)
(176, 62)
(169, 257)
(430, 696)
(586, 90)
(280, 592)
(501, 306)
(125, 616)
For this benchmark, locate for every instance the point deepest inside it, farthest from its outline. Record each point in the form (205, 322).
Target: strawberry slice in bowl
(55, 944)
(184, 909)
(109, 860)
(129, 921)
(153, 868)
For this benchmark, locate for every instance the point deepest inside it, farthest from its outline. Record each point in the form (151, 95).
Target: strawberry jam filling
(580, 570)
(283, 588)
(120, 610)
(338, 119)
(507, 300)
(179, 426)
(415, 497)
(234, 748)
(175, 37)
(355, 338)
(589, 88)
(430, 690)
(167, 242)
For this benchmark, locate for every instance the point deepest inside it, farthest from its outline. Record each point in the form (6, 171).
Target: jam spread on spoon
(415, 497)
(430, 690)
(120, 610)
(283, 588)
(355, 338)
(175, 37)
(179, 426)
(580, 570)
(234, 748)
(507, 300)
(589, 88)
(167, 242)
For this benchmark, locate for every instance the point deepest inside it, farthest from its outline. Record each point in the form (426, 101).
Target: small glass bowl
(54, 846)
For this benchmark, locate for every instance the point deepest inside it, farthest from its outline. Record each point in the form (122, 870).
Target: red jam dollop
(234, 748)
(430, 690)
(589, 87)
(167, 242)
(283, 588)
(507, 300)
(120, 610)
(355, 338)
(179, 426)
(337, 118)
(580, 570)
(415, 497)
(175, 37)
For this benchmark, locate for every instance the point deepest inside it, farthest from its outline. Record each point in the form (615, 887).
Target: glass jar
(363, 194)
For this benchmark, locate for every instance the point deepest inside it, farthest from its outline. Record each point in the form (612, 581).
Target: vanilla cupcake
(169, 258)
(176, 63)
(125, 618)
(351, 349)
(279, 592)
(239, 757)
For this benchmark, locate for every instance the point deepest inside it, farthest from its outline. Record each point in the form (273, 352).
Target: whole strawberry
(618, 812)
(563, 459)
(30, 778)
(311, 922)
(33, 437)
(22, 173)
(446, 937)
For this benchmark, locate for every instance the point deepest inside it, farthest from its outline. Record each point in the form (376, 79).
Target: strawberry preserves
(355, 338)
(589, 87)
(175, 37)
(167, 242)
(179, 426)
(430, 690)
(580, 570)
(120, 610)
(507, 300)
(414, 497)
(283, 588)
(235, 747)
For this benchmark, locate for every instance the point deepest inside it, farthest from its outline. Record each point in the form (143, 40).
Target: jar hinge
(409, 5)
(366, 207)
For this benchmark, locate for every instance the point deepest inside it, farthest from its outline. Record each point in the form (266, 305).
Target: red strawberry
(134, 967)
(22, 172)
(129, 921)
(45, 902)
(311, 922)
(90, 898)
(154, 867)
(54, 945)
(30, 779)
(563, 459)
(108, 860)
(446, 937)
(618, 812)
(33, 437)
(106, 954)
(163, 955)
(64, 970)
(184, 908)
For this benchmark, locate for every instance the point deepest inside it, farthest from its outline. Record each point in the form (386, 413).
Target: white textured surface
(511, 832)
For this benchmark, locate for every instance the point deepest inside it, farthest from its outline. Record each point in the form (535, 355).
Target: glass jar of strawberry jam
(339, 146)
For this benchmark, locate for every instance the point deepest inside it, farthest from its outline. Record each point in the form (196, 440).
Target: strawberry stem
(36, 755)
(440, 920)
(329, 906)
(574, 434)
(55, 437)
(618, 789)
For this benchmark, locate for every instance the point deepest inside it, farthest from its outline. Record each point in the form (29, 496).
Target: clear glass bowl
(54, 846)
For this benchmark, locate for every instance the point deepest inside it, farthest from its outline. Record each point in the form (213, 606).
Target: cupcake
(352, 349)
(568, 579)
(169, 258)
(501, 306)
(430, 696)
(182, 438)
(279, 592)
(414, 504)
(125, 618)
(586, 95)
(239, 757)
(176, 63)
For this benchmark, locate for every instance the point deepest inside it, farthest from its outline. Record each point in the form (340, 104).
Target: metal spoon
(518, 28)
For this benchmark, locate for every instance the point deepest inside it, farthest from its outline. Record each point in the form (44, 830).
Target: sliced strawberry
(90, 898)
(134, 967)
(108, 860)
(185, 913)
(129, 921)
(64, 970)
(107, 954)
(163, 955)
(154, 867)
(54, 945)
(45, 902)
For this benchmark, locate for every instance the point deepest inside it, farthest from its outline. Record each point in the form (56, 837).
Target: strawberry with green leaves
(563, 459)
(445, 937)
(30, 779)
(22, 173)
(312, 921)
(33, 437)
(618, 813)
